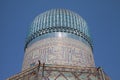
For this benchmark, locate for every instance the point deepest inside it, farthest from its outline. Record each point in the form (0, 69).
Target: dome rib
(58, 20)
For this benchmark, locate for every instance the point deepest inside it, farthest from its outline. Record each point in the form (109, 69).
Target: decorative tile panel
(59, 51)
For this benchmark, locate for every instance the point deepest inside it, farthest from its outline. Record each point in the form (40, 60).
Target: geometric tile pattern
(58, 72)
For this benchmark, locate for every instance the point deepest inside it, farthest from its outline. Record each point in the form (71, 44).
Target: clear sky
(102, 16)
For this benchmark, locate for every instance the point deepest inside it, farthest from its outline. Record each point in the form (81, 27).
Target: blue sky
(102, 16)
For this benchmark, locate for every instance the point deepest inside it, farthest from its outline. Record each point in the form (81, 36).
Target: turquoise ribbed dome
(58, 20)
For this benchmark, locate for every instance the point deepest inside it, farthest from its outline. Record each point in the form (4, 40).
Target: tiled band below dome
(59, 29)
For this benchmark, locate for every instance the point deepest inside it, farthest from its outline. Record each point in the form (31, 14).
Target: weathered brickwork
(59, 51)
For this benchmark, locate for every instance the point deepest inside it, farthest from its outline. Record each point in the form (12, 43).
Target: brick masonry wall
(59, 51)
